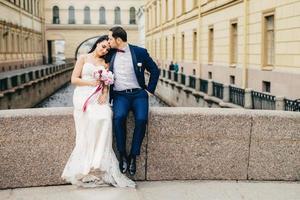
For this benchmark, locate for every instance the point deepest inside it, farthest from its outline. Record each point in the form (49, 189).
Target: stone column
(179, 78)
(26, 77)
(9, 84)
(197, 86)
(226, 94)
(210, 87)
(280, 104)
(248, 99)
(19, 79)
(187, 80)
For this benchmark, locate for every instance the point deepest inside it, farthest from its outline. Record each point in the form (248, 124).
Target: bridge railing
(263, 101)
(192, 82)
(237, 95)
(232, 94)
(23, 77)
(292, 105)
(218, 90)
(203, 85)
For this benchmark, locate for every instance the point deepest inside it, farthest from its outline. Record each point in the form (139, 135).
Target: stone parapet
(180, 143)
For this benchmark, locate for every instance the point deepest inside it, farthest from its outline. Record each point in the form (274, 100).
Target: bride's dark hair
(100, 39)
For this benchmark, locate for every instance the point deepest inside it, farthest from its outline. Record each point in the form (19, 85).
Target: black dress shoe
(123, 164)
(132, 165)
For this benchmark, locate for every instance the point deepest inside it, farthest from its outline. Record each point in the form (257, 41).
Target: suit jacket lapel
(134, 61)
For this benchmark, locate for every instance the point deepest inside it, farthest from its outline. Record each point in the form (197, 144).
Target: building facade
(74, 21)
(21, 34)
(248, 43)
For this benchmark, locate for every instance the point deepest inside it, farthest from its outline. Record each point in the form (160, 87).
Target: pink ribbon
(99, 88)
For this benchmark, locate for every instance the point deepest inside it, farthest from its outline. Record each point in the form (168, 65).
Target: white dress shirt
(125, 77)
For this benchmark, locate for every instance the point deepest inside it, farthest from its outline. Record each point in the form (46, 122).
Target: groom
(130, 92)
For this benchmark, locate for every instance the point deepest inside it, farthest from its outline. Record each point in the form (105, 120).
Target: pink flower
(105, 76)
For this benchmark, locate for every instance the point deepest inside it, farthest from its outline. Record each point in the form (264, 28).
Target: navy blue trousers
(123, 102)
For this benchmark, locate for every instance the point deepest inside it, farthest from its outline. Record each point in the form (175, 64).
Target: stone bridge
(180, 144)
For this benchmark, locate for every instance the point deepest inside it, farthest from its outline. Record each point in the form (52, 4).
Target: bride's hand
(102, 98)
(94, 83)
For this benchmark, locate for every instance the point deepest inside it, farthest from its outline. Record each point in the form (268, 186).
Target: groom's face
(112, 41)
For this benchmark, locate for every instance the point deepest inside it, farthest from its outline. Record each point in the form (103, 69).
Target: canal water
(64, 98)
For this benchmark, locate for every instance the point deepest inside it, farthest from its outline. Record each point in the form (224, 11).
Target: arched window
(132, 16)
(87, 15)
(38, 8)
(117, 15)
(55, 12)
(102, 19)
(71, 15)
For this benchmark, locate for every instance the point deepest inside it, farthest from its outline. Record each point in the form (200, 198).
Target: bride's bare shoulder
(83, 57)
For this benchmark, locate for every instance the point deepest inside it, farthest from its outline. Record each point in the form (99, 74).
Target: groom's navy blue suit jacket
(141, 62)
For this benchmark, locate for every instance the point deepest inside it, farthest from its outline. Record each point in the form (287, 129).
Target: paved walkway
(168, 190)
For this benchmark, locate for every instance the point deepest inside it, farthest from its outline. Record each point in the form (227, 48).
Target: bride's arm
(76, 74)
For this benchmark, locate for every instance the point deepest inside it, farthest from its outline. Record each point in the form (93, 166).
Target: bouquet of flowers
(106, 77)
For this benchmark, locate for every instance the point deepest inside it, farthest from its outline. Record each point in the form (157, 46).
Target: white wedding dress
(93, 161)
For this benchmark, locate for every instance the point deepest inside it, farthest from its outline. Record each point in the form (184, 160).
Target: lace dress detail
(93, 161)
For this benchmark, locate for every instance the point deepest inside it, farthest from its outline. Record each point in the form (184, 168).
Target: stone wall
(181, 143)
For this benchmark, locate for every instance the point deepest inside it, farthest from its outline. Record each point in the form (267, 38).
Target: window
(38, 8)
(195, 3)
(194, 72)
(55, 12)
(13, 47)
(173, 47)
(232, 79)
(209, 75)
(71, 15)
(174, 12)
(195, 45)
(166, 10)
(233, 43)
(102, 19)
(87, 15)
(132, 16)
(210, 44)
(155, 15)
(268, 41)
(182, 46)
(266, 86)
(183, 6)
(117, 15)
(166, 48)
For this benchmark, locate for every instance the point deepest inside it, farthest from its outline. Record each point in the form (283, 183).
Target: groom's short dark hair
(119, 32)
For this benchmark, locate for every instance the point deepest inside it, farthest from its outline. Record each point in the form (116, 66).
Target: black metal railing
(3, 84)
(237, 96)
(192, 82)
(292, 105)
(203, 85)
(218, 90)
(175, 77)
(263, 101)
(169, 75)
(14, 81)
(23, 78)
(164, 73)
(182, 79)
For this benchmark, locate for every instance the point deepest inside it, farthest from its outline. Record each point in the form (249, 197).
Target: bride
(93, 161)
